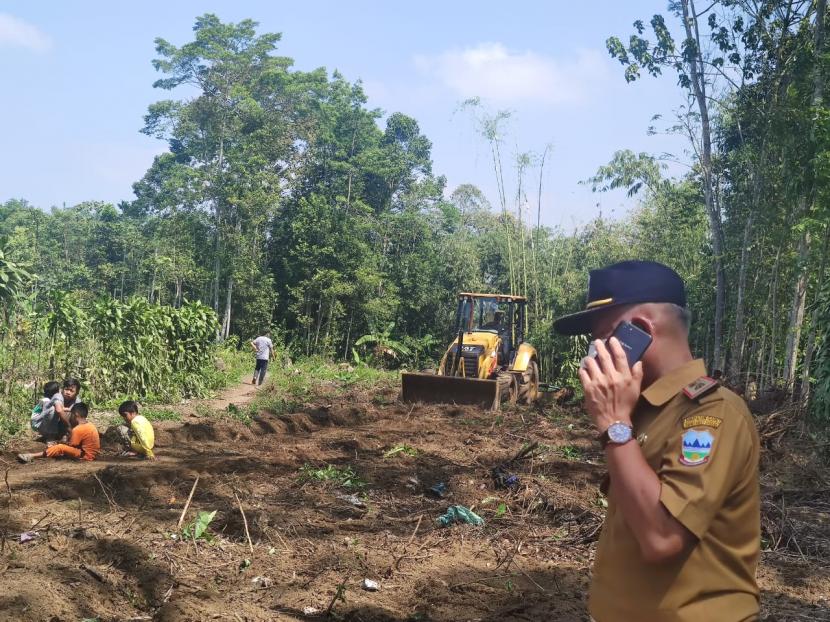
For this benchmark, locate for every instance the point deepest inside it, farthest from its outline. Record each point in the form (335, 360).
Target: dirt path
(239, 395)
(108, 549)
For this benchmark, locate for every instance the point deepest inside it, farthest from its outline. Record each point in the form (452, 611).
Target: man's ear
(643, 323)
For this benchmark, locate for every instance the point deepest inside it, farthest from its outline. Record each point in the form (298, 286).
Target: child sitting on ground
(43, 414)
(84, 443)
(138, 434)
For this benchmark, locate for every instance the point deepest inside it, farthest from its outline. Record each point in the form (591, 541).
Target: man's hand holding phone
(611, 387)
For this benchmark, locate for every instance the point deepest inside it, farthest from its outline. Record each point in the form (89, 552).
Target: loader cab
(496, 314)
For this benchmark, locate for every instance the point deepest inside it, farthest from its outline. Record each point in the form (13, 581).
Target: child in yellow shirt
(138, 433)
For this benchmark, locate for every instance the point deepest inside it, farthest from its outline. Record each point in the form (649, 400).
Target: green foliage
(13, 280)
(821, 375)
(400, 448)
(344, 476)
(239, 414)
(160, 414)
(385, 349)
(198, 528)
(570, 452)
(118, 350)
(144, 345)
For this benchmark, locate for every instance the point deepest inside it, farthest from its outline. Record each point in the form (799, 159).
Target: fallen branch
(43, 518)
(244, 522)
(187, 505)
(93, 573)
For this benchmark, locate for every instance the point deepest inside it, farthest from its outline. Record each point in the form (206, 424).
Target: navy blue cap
(624, 283)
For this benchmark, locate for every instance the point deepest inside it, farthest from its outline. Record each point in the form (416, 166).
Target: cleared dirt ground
(104, 548)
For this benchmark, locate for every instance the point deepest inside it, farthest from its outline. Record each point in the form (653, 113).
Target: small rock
(310, 611)
(370, 586)
(261, 582)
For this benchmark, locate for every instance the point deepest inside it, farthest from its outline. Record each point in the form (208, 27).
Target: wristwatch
(618, 433)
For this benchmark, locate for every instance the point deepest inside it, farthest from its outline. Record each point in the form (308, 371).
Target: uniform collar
(666, 387)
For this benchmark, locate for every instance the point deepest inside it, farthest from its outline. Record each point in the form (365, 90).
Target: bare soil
(105, 548)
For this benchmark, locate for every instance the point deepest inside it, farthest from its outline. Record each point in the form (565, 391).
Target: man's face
(69, 393)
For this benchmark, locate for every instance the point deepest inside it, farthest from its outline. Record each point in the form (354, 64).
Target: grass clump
(401, 448)
(570, 452)
(344, 476)
(243, 415)
(294, 385)
(160, 414)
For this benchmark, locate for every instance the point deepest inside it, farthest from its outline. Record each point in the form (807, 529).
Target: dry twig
(187, 505)
(113, 504)
(244, 522)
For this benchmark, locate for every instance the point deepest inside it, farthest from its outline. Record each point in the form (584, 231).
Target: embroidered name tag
(702, 420)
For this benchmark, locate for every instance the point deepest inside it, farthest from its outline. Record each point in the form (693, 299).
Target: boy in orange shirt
(84, 443)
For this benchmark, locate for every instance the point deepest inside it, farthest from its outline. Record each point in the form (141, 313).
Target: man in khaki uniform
(681, 539)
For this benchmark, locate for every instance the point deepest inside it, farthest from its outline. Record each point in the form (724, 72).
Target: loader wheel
(530, 389)
(508, 389)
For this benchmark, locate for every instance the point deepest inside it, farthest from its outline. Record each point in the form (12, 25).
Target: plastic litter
(440, 490)
(459, 514)
(370, 586)
(28, 536)
(261, 582)
(311, 611)
(504, 479)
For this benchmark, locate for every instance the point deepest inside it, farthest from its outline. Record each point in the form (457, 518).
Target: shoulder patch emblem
(702, 420)
(696, 447)
(699, 387)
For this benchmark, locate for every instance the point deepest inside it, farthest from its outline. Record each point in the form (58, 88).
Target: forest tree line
(285, 200)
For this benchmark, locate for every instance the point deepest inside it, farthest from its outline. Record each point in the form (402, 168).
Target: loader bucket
(434, 389)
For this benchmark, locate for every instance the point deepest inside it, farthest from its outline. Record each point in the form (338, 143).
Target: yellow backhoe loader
(487, 363)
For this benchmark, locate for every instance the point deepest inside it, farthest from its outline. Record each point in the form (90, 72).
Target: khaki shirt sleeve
(696, 479)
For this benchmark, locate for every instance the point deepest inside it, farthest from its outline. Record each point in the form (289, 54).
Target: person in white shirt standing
(264, 349)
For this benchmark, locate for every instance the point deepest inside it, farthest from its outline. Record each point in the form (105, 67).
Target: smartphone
(634, 341)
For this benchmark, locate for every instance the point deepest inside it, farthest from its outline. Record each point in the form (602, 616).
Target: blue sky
(77, 80)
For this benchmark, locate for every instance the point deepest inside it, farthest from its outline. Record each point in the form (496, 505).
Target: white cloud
(14, 32)
(493, 72)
